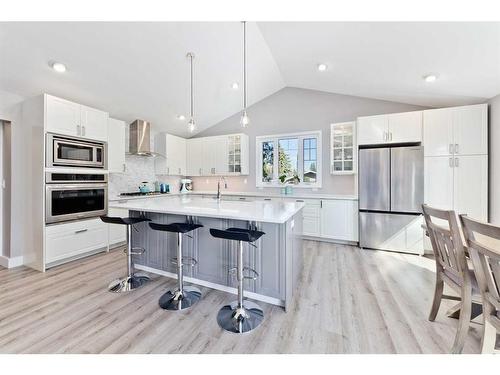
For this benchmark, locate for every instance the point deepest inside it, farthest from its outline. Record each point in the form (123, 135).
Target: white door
(438, 132)
(471, 130)
(372, 129)
(116, 146)
(471, 186)
(62, 116)
(438, 181)
(194, 157)
(94, 123)
(405, 127)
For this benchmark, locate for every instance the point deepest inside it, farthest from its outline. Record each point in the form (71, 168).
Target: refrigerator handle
(451, 162)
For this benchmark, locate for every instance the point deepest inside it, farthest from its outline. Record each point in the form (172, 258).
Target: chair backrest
(483, 241)
(446, 239)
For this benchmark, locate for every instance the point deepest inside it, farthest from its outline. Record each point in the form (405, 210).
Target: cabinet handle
(200, 172)
(390, 136)
(456, 148)
(242, 198)
(78, 130)
(83, 130)
(299, 200)
(451, 148)
(385, 136)
(451, 162)
(80, 231)
(168, 170)
(124, 167)
(267, 199)
(321, 204)
(179, 171)
(456, 162)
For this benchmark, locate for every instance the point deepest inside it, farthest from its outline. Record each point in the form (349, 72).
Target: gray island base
(276, 257)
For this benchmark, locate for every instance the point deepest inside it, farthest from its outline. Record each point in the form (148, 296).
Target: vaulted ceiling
(140, 70)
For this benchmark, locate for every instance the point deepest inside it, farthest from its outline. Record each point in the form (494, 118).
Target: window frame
(259, 140)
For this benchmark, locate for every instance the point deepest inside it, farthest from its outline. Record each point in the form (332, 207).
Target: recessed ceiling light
(181, 117)
(235, 86)
(430, 78)
(58, 67)
(322, 67)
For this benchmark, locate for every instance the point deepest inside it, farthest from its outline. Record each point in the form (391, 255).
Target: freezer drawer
(394, 232)
(407, 179)
(374, 179)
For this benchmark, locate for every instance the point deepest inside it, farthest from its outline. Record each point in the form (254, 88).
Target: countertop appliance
(64, 151)
(391, 193)
(73, 196)
(186, 185)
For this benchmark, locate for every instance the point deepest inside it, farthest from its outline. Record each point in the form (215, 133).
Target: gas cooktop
(138, 194)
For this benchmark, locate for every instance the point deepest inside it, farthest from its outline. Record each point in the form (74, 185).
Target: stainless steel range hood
(140, 138)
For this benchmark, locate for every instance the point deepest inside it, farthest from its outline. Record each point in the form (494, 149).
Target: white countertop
(295, 195)
(192, 205)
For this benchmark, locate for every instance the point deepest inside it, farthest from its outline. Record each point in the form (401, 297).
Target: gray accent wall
(494, 156)
(297, 110)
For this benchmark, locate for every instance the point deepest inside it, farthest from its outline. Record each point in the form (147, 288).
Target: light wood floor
(351, 301)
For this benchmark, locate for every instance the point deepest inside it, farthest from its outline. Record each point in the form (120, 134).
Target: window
(296, 162)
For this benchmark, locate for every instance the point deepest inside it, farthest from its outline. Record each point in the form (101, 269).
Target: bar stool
(242, 315)
(132, 280)
(185, 296)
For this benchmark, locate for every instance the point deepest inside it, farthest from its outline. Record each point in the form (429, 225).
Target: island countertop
(259, 211)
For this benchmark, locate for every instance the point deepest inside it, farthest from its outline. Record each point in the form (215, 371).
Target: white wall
(494, 153)
(297, 110)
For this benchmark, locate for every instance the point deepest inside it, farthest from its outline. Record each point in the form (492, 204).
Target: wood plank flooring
(350, 301)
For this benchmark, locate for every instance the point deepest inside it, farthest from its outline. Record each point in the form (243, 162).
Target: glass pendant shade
(191, 125)
(245, 120)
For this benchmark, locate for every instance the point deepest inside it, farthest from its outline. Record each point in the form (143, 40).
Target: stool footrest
(186, 261)
(136, 251)
(253, 275)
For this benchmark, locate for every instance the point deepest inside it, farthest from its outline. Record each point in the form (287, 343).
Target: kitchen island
(277, 256)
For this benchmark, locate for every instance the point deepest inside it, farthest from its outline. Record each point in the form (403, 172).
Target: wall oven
(63, 151)
(73, 196)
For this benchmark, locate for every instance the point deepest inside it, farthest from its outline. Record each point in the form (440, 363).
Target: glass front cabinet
(343, 148)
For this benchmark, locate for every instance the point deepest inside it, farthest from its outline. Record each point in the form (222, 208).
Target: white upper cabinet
(343, 152)
(94, 123)
(173, 155)
(393, 128)
(73, 119)
(223, 155)
(62, 116)
(116, 146)
(405, 127)
(194, 157)
(456, 131)
(372, 129)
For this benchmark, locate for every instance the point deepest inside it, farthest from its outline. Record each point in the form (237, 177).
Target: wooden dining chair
(451, 268)
(485, 253)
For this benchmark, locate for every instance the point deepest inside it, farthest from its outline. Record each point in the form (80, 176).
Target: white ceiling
(386, 60)
(139, 70)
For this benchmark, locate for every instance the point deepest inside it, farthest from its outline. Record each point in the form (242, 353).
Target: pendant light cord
(244, 65)
(191, 56)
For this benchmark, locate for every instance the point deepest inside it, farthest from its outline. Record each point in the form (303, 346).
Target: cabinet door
(438, 132)
(372, 129)
(176, 155)
(338, 220)
(117, 233)
(405, 127)
(209, 156)
(438, 182)
(116, 146)
(221, 155)
(471, 186)
(194, 157)
(470, 130)
(94, 123)
(62, 116)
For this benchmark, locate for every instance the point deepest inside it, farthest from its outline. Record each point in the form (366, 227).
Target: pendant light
(191, 123)
(245, 120)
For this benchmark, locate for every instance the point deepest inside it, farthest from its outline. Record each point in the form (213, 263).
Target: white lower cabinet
(117, 233)
(67, 241)
(339, 219)
(311, 217)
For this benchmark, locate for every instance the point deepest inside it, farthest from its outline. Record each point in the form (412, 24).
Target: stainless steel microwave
(64, 151)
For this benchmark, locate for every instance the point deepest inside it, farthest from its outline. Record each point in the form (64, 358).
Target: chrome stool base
(240, 320)
(179, 301)
(128, 283)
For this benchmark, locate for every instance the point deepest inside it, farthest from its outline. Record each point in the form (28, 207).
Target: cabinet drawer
(67, 240)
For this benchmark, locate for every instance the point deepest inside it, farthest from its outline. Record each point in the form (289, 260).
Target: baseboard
(224, 288)
(11, 262)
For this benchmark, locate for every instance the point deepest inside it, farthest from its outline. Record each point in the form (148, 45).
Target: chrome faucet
(222, 178)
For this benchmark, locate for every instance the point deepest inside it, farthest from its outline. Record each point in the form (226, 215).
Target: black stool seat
(237, 234)
(175, 227)
(123, 220)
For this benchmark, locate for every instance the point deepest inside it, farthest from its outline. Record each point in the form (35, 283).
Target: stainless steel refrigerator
(391, 193)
